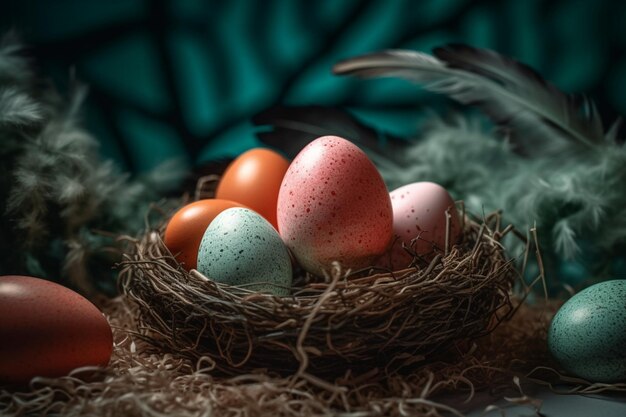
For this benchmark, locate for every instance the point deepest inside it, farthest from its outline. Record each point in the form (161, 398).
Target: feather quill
(538, 117)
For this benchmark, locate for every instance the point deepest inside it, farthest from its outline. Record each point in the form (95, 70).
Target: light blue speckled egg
(588, 334)
(240, 247)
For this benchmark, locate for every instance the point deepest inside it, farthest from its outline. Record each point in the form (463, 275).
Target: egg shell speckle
(419, 209)
(240, 247)
(588, 334)
(334, 206)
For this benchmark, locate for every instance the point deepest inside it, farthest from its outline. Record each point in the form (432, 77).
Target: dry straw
(354, 327)
(143, 381)
(185, 346)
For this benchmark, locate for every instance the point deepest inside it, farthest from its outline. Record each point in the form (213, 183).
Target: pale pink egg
(419, 210)
(333, 206)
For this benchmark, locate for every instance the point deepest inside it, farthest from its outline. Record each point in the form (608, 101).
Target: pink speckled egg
(333, 206)
(419, 209)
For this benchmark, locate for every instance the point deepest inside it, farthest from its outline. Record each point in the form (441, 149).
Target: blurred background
(183, 78)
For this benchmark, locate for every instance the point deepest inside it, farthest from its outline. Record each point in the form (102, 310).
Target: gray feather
(56, 194)
(18, 108)
(539, 118)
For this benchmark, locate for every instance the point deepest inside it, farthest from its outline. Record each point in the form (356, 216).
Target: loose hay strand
(141, 381)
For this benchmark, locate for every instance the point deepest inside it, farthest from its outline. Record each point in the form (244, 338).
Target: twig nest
(366, 324)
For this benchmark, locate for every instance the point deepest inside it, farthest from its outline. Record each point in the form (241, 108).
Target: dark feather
(292, 128)
(539, 118)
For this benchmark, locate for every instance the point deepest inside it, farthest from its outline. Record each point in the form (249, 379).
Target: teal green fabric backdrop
(182, 78)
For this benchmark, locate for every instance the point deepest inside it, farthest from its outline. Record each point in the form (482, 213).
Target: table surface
(555, 405)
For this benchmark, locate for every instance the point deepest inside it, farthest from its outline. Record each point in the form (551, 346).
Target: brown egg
(253, 179)
(48, 330)
(185, 229)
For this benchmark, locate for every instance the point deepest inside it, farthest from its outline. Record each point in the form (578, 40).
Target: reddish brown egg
(253, 179)
(48, 330)
(185, 229)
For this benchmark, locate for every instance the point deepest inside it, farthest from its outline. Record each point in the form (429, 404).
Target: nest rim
(323, 328)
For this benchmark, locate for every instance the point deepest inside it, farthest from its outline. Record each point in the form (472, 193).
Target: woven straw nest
(351, 326)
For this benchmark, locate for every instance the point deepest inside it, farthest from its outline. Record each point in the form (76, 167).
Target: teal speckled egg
(240, 247)
(588, 333)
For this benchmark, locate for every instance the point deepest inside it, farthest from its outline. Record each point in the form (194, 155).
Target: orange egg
(185, 229)
(254, 179)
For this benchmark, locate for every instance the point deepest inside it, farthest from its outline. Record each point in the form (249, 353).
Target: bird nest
(349, 326)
